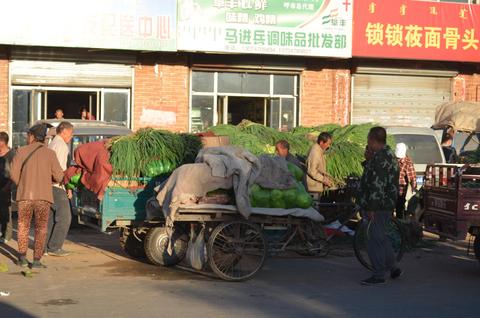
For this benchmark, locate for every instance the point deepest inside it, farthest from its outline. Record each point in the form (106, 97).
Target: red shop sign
(406, 29)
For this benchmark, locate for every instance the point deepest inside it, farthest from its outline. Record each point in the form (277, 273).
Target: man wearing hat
(33, 169)
(407, 177)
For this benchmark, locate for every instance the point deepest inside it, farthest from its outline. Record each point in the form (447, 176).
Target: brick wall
(161, 92)
(325, 96)
(3, 92)
(466, 87)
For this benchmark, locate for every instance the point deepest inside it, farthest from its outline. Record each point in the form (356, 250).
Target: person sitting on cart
(449, 151)
(408, 177)
(377, 198)
(282, 148)
(317, 177)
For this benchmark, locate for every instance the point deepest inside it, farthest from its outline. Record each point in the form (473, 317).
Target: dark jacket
(379, 182)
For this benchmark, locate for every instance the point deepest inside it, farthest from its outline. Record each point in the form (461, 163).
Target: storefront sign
(111, 24)
(409, 29)
(289, 27)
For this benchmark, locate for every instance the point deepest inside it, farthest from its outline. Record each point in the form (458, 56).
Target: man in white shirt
(61, 216)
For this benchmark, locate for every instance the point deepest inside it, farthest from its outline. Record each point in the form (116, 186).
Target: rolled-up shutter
(398, 99)
(47, 73)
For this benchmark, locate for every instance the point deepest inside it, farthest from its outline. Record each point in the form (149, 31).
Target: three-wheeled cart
(236, 248)
(452, 202)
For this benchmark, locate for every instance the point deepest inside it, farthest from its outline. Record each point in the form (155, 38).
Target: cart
(452, 202)
(236, 248)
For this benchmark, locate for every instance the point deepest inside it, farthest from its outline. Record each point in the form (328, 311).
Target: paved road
(98, 280)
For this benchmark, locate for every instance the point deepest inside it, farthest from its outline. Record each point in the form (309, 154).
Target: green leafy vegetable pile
(150, 152)
(343, 159)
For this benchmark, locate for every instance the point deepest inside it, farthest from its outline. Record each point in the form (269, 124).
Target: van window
(423, 149)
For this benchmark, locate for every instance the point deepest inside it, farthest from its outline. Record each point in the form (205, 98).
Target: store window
(230, 97)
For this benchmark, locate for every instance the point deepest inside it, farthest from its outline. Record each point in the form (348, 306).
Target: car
(85, 131)
(423, 147)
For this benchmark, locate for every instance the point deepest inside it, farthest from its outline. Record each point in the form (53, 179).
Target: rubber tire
(476, 247)
(211, 242)
(357, 247)
(156, 244)
(131, 245)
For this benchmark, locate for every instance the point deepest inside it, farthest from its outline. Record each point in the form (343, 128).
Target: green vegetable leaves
(151, 152)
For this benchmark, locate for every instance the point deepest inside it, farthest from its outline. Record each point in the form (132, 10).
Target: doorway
(71, 103)
(251, 108)
(30, 104)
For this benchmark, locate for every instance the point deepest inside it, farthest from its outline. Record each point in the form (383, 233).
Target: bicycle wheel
(395, 235)
(236, 250)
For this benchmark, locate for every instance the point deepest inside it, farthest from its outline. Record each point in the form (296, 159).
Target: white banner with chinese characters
(285, 27)
(110, 24)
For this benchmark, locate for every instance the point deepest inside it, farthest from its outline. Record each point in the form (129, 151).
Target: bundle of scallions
(150, 152)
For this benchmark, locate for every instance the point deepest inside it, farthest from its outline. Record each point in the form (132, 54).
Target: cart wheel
(131, 241)
(476, 247)
(395, 234)
(156, 244)
(236, 250)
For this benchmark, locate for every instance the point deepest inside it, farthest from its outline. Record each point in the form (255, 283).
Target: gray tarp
(235, 163)
(186, 184)
(461, 116)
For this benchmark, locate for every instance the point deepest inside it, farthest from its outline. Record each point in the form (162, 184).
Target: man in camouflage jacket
(377, 198)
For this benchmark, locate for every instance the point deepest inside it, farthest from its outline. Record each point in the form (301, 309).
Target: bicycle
(395, 234)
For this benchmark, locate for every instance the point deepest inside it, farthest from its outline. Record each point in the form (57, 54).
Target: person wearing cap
(33, 169)
(407, 177)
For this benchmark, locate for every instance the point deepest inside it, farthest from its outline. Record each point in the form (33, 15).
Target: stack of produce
(150, 152)
(343, 159)
(283, 199)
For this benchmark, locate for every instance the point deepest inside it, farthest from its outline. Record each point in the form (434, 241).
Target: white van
(423, 147)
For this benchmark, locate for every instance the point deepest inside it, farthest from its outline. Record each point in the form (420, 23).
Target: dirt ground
(99, 280)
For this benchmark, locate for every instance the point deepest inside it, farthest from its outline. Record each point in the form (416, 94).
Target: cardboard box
(215, 141)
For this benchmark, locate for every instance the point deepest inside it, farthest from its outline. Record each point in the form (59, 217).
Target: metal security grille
(398, 100)
(46, 73)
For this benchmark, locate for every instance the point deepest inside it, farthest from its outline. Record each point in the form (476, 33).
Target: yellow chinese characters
(375, 33)
(470, 40)
(432, 37)
(412, 36)
(451, 37)
(394, 35)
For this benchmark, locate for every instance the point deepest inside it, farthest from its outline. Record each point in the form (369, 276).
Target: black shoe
(396, 273)
(22, 261)
(37, 264)
(372, 281)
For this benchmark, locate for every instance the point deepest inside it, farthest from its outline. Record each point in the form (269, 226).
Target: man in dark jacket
(6, 157)
(377, 198)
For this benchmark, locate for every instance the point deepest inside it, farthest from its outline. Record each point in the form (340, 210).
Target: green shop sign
(298, 27)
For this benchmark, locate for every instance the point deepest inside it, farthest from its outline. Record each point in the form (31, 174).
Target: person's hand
(69, 194)
(328, 182)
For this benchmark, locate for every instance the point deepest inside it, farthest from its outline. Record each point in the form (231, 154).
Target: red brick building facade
(161, 88)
